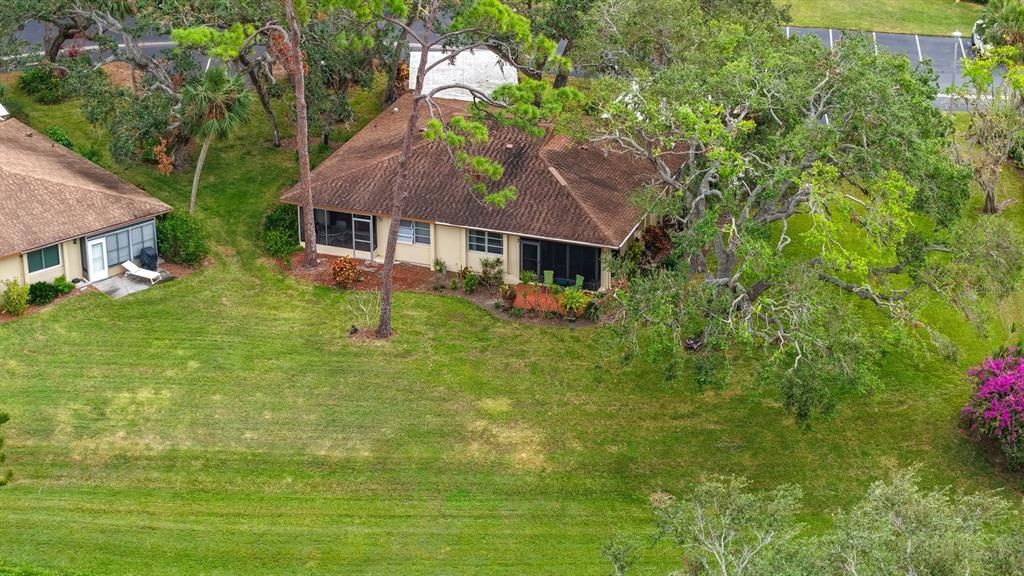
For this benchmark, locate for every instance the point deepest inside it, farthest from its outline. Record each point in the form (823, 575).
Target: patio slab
(120, 286)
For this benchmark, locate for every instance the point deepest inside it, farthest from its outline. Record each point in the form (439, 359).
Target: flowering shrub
(345, 272)
(996, 410)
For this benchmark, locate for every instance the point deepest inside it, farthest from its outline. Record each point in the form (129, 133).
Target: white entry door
(97, 252)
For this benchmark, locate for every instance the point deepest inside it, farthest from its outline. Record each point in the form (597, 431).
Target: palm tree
(214, 106)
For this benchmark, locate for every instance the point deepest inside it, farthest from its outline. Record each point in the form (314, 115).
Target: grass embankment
(932, 17)
(225, 424)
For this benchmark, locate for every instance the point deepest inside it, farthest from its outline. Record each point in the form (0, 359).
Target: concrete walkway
(120, 286)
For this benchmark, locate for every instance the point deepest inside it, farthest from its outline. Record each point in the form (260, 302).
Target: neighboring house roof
(49, 194)
(566, 191)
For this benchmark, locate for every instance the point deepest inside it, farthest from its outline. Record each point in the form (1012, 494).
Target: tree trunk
(261, 90)
(990, 203)
(302, 133)
(562, 78)
(399, 194)
(392, 92)
(199, 171)
(56, 44)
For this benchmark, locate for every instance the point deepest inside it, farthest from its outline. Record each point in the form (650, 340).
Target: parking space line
(831, 44)
(787, 32)
(874, 35)
(920, 56)
(208, 60)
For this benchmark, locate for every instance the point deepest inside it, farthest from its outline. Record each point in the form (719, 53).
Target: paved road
(944, 52)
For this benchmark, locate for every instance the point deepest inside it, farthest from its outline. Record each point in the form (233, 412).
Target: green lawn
(224, 423)
(936, 17)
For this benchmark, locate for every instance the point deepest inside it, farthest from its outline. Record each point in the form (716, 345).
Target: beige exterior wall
(16, 267)
(450, 244)
(10, 268)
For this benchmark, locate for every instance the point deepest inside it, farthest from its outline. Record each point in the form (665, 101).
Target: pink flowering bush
(996, 410)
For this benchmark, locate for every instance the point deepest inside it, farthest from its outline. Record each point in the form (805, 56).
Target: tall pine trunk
(399, 194)
(302, 133)
(199, 171)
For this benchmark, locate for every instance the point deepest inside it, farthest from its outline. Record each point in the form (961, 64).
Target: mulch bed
(537, 304)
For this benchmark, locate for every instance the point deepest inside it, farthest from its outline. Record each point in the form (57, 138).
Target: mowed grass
(933, 17)
(224, 423)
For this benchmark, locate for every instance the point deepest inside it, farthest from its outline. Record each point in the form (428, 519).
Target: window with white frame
(410, 232)
(487, 242)
(44, 258)
(127, 243)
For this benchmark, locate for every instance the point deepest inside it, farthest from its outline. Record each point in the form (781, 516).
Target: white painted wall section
(480, 69)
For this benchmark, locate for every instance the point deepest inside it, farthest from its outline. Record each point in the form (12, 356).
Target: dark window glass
(488, 242)
(45, 258)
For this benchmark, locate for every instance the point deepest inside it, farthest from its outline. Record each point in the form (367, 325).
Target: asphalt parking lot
(944, 52)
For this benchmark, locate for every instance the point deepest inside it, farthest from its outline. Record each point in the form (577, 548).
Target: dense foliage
(757, 139)
(44, 84)
(42, 293)
(280, 232)
(15, 297)
(996, 409)
(346, 272)
(725, 528)
(181, 239)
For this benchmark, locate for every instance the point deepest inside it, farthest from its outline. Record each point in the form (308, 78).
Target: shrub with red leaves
(346, 272)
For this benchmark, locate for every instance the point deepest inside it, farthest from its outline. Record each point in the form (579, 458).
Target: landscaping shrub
(58, 135)
(470, 281)
(492, 272)
(43, 84)
(15, 299)
(93, 153)
(281, 231)
(574, 301)
(528, 277)
(996, 410)
(345, 272)
(63, 285)
(42, 293)
(440, 266)
(181, 239)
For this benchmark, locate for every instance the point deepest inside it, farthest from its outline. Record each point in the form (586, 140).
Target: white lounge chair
(131, 269)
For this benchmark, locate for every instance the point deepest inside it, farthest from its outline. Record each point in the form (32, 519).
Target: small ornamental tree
(996, 410)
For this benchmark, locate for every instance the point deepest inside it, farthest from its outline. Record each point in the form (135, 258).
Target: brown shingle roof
(49, 194)
(566, 191)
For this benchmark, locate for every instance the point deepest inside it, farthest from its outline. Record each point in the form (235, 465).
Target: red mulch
(540, 305)
(537, 298)
(405, 277)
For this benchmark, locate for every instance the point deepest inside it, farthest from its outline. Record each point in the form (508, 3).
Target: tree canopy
(757, 138)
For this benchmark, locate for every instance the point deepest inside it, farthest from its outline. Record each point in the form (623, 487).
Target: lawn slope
(932, 17)
(224, 423)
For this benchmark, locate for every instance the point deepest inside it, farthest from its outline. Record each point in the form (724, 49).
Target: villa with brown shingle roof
(572, 208)
(62, 215)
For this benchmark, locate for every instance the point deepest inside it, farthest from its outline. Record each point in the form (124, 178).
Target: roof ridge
(605, 231)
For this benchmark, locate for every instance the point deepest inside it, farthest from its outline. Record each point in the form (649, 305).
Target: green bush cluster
(42, 293)
(43, 84)
(280, 231)
(15, 299)
(492, 272)
(181, 239)
(58, 135)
